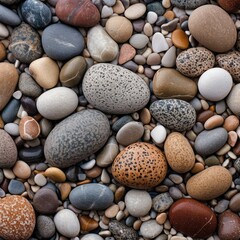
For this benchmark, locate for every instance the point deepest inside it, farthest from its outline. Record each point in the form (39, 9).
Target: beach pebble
(209, 142)
(104, 83)
(211, 26)
(169, 83)
(57, 103)
(215, 84)
(159, 134)
(62, 42)
(15, 187)
(92, 196)
(127, 53)
(188, 4)
(234, 204)
(45, 226)
(84, 14)
(156, 7)
(170, 114)
(192, 218)
(138, 40)
(162, 202)
(29, 128)
(180, 39)
(135, 11)
(147, 169)
(150, 229)
(195, 61)
(9, 17)
(179, 153)
(10, 111)
(159, 43)
(92, 236)
(101, 46)
(138, 202)
(213, 122)
(88, 224)
(229, 6)
(233, 99)
(17, 218)
(83, 133)
(67, 223)
(21, 170)
(169, 58)
(205, 184)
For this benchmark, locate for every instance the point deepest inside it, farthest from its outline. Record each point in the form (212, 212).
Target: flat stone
(159, 43)
(62, 42)
(135, 11)
(31, 155)
(8, 16)
(45, 226)
(189, 4)
(170, 26)
(162, 202)
(150, 229)
(104, 83)
(92, 196)
(138, 40)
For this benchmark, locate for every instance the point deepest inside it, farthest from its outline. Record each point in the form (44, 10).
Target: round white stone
(159, 43)
(159, 134)
(138, 202)
(91, 236)
(67, 223)
(152, 17)
(215, 84)
(150, 229)
(12, 129)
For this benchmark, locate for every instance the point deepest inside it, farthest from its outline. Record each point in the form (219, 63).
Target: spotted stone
(188, 4)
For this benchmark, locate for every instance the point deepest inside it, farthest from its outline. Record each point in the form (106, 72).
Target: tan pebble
(166, 3)
(135, 11)
(40, 180)
(231, 123)
(169, 15)
(140, 69)
(1, 123)
(180, 39)
(213, 122)
(161, 218)
(137, 224)
(232, 138)
(3, 52)
(29, 128)
(148, 30)
(105, 220)
(145, 116)
(55, 174)
(45, 71)
(35, 188)
(112, 211)
(87, 224)
(224, 150)
(83, 182)
(93, 172)
(21, 170)
(119, 194)
(65, 189)
(118, 7)
(198, 167)
(127, 52)
(8, 173)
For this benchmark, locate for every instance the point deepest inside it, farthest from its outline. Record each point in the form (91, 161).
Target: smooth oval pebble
(205, 184)
(8, 16)
(215, 84)
(179, 153)
(210, 141)
(57, 103)
(55, 174)
(170, 114)
(229, 6)
(150, 229)
(104, 83)
(67, 223)
(91, 236)
(213, 28)
(159, 134)
(213, 122)
(192, 218)
(21, 170)
(17, 218)
(140, 165)
(233, 100)
(45, 226)
(138, 40)
(159, 43)
(29, 128)
(92, 196)
(135, 11)
(180, 39)
(87, 129)
(234, 204)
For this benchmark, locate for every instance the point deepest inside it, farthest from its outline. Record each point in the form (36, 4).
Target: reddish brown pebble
(17, 218)
(231, 123)
(87, 224)
(232, 138)
(204, 116)
(3, 52)
(140, 165)
(169, 15)
(127, 52)
(180, 39)
(192, 218)
(29, 128)
(93, 172)
(229, 5)
(65, 189)
(119, 194)
(229, 226)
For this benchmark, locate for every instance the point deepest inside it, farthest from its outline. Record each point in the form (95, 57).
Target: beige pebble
(135, 11)
(161, 218)
(40, 180)
(198, 167)
(55, 174)
(213, 122)
(8, 173)
(137, 224)
(29, 128)
(224, 150)
(232, 138)
(21, 170)
(231, 123)
(145, 116)
(118, 7)
(166, 3)
(112, 211)
(65, 189)
(119, 194)
(148, 30)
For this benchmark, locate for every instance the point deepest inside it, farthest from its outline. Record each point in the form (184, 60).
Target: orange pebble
(169, 15)
(180, 39)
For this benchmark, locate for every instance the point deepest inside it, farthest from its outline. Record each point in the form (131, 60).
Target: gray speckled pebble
(45, 226)
(208, 142)
(76, 138)
(92, 196)
(121, 122)
(174, 114)
(189, 4)
(114, 89)
(162, 202)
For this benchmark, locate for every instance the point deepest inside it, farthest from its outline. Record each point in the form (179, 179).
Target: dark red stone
(229, 5)
(79, 13)
(229, 226)
(192, 218)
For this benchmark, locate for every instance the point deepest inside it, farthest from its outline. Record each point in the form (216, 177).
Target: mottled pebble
(162, 202)
(45, 226)
(150, 229)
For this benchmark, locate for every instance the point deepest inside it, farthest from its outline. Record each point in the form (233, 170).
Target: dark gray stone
(9, 113)
(31, 155)
(189, 4)
(16, 187)
(209, 142)
(9, 2)
(92, 196)
(162, 202)
(76, 138)
(45, 226)
(36, 13)
(156, 7)
(29, 105)
(174, 114)
(121, 122)
(62, 42)
(8, 16)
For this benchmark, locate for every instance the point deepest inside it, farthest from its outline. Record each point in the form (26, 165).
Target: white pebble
(106, 11)
(17, 94)
(88, 165)
(159, 43)
(159, 134)
(40, 180)
(12, 129)
(152, 17)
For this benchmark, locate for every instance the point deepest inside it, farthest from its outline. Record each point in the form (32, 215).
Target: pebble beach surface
(119, 119)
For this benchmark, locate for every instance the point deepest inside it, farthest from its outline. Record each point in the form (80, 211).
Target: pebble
(170, 26)
(31, 155)
(57, 147)
(169, 83)
(4, 33)
(150, 229)
(36, 13)
(215, 84)
(67, 223)
(17, 218)
(112, 211)
(45, 71)
(188, 4)
(209, 142)
(40, 180)
(62, 42)
(3, 52)
(193, 62)
(92, 196)
(91, 236)
(156, 7)
(124, 28)
(159, 43)
(159, 134)
(216, 33)
(12, 129)
(135, 11)
(130, 133)
(127, 53)
(162, 202)
(192, 218)
(179, 153)
(21, 170)
(88, 224)
(84, 14)
(45, 226)
(9, 113)
(104, 82)
(8, 16)
(138, 202)
(229, 226)
(231, 123)
(169, 58)
(29, 128)
(138, 40)
(8, 150)
(213, 122)
(234, 204)
(16, 187)
(170, 114)
(180, 39)
(221, 206)
(152, 17)
(55, 174)
(205, 184)
(231, 6)
(232, 99)
(147, 169)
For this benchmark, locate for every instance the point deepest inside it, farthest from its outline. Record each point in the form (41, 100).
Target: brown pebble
(87, 224)
(198, 167)
(127, 53)
(236, 149)
(213, 122)
(145, 116)
(232, 138)
(1, 123)
(112, 211)
(180, 39)
(21, 170)
(119, 194)
(234, 204)
(83, 182)
(204, 116)
(55, 174)
(161, 218)
(29, 128)
(231, 123)
(169, 15)
(93, 172)
(65, 189)
(3, 52)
